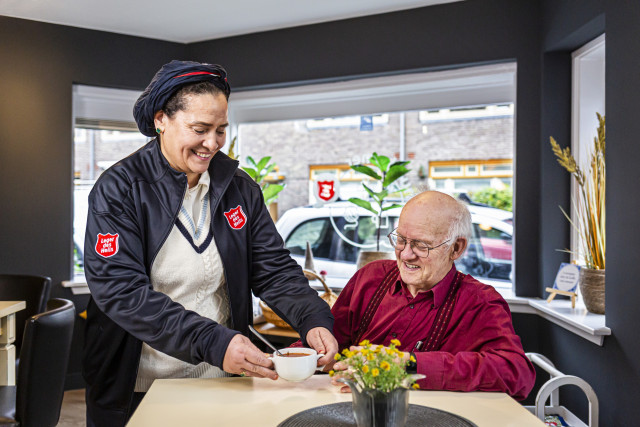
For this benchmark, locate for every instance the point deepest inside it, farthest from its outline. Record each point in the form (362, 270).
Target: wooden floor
(73, 409)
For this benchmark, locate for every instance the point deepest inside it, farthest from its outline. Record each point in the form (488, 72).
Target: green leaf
(366, 170)
(393, 206)
(270, 192)
(252, 162)
(252, 172)
(395, 172)
(363, 204)
(401, 163)
(382, 162)
(377, 196)
(263, 163)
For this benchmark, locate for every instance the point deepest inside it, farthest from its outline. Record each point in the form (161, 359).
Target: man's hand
(323, 341)
(244, 358)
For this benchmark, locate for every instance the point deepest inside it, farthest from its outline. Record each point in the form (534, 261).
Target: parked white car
(338, 231)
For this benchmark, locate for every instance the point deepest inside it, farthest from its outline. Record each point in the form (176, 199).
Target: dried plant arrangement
(590, 203)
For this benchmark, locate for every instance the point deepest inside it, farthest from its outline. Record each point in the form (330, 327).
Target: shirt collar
(439, 290)
(201, 188)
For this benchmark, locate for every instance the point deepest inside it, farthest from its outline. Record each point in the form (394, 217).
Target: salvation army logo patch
(326, 191)
(107, 245)
(236, 218)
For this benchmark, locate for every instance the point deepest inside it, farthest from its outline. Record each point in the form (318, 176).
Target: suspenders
(432, 341)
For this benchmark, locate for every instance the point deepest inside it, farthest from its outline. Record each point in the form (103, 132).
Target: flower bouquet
(379, 381)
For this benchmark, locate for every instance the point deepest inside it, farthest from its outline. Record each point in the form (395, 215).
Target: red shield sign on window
(107, 245)
(326, 188)
(236, 218)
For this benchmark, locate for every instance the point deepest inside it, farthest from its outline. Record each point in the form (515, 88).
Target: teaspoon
(264, 340)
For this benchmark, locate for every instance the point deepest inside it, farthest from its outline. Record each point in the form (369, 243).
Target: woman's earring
(158, 131)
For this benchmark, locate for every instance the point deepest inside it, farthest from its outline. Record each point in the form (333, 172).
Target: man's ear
(459, 246)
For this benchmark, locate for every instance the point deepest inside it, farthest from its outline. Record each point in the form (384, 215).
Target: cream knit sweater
(195, 280)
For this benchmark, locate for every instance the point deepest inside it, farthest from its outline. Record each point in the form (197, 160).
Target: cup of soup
(296, 364)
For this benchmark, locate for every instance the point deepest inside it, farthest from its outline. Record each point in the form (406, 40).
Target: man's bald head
(443, 212)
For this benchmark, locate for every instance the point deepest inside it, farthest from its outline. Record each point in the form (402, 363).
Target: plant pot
(375, 408)
(592, 289)
(365, 257)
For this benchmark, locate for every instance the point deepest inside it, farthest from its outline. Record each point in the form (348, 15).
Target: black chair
(34, 290)
(36, 398)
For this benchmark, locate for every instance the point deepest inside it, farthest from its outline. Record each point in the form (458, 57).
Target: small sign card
(567, 277)
(566, 283)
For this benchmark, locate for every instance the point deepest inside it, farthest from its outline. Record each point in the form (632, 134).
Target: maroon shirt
(479, 351)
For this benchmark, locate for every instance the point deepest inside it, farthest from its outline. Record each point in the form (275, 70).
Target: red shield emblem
(326, 190)
(107, 245)
(236, 218)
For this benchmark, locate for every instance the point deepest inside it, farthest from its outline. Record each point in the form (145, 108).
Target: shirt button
(394, 334)
(411, 306)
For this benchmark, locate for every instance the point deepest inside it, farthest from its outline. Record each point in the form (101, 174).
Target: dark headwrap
(167, 81)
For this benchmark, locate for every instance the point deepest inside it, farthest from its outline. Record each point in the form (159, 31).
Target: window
(588, 98)
(103, 134)
(440, 121)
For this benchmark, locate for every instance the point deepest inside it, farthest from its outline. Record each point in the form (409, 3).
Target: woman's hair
(460, 223)
(178, 101)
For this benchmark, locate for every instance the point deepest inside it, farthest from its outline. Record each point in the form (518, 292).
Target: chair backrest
(44, 357)
(34, 290)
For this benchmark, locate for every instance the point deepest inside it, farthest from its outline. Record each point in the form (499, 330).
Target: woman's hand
(244, 358)
(323, 341)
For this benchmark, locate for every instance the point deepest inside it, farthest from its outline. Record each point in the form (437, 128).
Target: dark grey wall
(40, 62)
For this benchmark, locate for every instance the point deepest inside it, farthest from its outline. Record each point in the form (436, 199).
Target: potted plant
(386, 175)
(379, 382)
(258, 171)
(590, 224)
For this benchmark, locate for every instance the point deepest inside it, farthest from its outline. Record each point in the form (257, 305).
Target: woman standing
(177, 239)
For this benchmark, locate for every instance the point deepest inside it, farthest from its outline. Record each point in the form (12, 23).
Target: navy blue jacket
(132, 209)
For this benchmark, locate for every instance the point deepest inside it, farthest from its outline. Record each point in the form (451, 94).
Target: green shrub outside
(501, 199)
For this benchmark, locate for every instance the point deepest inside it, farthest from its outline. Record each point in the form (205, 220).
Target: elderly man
(458, 329)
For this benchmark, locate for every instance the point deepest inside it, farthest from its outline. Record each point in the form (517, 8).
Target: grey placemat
(341, 415)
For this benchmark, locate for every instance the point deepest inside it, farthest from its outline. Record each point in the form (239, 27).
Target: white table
(7, 337)
(261, 402)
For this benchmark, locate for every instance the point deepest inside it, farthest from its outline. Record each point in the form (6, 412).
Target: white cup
(292, 368)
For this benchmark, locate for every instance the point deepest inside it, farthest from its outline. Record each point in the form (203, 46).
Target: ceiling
(189, 21)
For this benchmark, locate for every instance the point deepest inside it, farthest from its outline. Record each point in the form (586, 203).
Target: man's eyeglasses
(418, 247)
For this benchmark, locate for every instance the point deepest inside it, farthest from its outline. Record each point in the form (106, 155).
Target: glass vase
(376, 408)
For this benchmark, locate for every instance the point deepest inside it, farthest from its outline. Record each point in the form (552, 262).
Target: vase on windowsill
(592, 289)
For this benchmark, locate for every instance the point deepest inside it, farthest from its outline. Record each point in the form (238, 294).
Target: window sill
(78, 285)
(576, 320)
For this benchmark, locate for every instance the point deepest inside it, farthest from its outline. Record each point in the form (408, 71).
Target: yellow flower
(415, 386)
(364, 343)
(337, 356)
(411, 358)
(365, 351)
(345, 352)
(385, 365)
(371, 356)
(390, 352)
(365, 369)
(395, 342)
(375, 372)
(400, 354)
(332, 373)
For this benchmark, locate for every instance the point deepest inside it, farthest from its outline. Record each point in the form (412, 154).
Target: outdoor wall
(293, 146)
